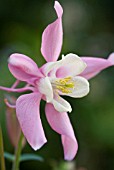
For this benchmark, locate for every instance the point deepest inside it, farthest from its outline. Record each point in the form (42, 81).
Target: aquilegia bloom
(52, 80)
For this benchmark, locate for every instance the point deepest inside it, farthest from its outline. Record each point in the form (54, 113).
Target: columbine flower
(52, 80)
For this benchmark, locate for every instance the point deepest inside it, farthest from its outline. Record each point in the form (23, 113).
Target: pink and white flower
(54, 79)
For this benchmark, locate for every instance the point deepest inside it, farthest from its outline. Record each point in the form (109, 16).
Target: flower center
(64, 85)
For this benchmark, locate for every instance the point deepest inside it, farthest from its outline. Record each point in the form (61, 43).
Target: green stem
(18, 153)
(2, 151)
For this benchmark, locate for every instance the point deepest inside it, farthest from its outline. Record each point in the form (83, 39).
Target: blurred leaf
(9, 156)
(27, 157)
(2, 151)
(24, 157)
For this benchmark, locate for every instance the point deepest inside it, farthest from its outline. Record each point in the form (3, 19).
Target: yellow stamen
(63, 89)
(65, 85)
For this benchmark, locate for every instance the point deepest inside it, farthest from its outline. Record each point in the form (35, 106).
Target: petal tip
(70, 109)
(111, 58)
(67, 158)
(37, 147)
(12, 59)
(87, 89)
(58, 8)
(71, 155)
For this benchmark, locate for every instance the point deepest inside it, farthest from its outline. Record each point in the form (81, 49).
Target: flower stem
(18, 153)
(2, 161)
(18, 90)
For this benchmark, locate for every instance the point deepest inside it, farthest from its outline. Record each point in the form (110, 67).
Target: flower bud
(13, 126)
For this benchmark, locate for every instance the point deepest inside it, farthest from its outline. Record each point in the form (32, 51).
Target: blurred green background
(88, 31)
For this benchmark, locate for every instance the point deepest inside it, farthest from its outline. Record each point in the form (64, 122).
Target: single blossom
(54, 79)
(50, 82)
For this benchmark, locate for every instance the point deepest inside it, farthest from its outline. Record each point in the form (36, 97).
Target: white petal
(70, 65)
(61, 105)
(81, 88)
(45, 88)
(46, 68)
